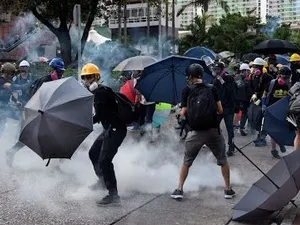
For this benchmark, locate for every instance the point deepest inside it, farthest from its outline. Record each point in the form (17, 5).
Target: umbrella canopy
(272, 192)
(283, 60)
(135, 63)
(275, 46)
(96, 38)
(199, 51)
(226, 54)
(276, 125)
(57, 118)
(165, 80)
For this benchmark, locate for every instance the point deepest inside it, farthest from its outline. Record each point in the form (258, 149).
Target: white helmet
(244, 66)
(259, 61)
(24, 63)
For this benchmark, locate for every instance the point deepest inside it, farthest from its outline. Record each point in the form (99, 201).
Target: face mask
(54, 75)
(257, 72)
(281, 81)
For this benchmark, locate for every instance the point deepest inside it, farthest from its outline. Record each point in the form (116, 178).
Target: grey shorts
(212, 138)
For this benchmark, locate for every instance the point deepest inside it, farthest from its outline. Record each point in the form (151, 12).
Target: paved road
(147, 173)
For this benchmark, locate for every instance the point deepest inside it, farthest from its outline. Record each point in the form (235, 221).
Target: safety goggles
(87, 77)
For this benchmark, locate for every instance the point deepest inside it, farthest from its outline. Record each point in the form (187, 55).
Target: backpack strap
(271, 86)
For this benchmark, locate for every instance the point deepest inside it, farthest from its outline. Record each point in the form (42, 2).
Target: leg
(297, 140)
(142, 114)
(10, 154)
(228, 119)
(150, 109)
(244, 116)
(94, 154)
(226, 175)
(184, 171)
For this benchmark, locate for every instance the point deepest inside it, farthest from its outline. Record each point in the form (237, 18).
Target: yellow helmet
(265, 70)
(90, 69)
(251, 63)
(279, 65)
(266, 64)
(295, 57)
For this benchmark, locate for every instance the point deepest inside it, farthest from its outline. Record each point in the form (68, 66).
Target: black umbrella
(272, 192)
(275, 46)
(57, 119)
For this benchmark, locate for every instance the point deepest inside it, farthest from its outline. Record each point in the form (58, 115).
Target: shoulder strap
(271, 86)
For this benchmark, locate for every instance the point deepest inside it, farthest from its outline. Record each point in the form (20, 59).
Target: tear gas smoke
(141, 167)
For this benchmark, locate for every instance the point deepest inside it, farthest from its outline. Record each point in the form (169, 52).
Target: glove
(254, 97)
(257, 102)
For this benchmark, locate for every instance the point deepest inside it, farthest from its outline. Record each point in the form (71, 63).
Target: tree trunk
(173, 26)
(120, 20)
(125, 24)
(167, 18)
(65, 46)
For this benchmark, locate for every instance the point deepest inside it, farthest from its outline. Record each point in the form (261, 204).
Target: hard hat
(251, 63)
(244, 66)
(24, 63)
(279, 65)
(259, 61)
(285, 71)
(8, 68)
(264, 70)
(295, 58)
(57, 64)
(89, 69)
(195, 70)
(266, 64)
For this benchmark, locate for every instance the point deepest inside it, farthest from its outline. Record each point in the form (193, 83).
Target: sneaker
(261, 143)
(230, 153)
(109, 199)
(229, 194)
(177, 194)
(275, 154)
(243, 132)
(282, 148)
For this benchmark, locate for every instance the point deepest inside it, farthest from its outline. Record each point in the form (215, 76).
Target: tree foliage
(57, 15)
(283, 32)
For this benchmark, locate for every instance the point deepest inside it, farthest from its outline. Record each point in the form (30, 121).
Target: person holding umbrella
(106, 145)
(276, 90)
(58, 68)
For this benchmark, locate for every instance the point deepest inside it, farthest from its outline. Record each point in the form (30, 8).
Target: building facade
(188, 15)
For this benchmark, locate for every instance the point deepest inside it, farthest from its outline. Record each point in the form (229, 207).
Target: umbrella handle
(48, 162)
(240, 150)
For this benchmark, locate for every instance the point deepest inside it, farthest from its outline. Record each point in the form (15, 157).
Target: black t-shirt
(278, 92)
(186, 92)
(106, 108)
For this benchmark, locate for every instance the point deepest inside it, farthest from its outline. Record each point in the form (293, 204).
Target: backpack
(125, 109)
(294, 104)
(201, 108)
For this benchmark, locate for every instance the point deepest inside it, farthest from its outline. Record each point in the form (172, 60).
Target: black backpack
(201, 108)
(125, 109)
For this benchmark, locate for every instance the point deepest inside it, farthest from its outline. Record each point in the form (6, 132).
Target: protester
(200, 104)
(22, 82)
(7, 72)
(106, 145)
(243, 95)
(272, 66)
(277, 89)
(226, 87)
(295, 68)
(58, 68)
(259, 83)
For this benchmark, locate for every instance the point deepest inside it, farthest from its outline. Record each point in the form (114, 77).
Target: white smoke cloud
(141, 167)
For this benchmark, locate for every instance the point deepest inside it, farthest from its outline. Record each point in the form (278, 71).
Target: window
(141, 12)
(134, 13)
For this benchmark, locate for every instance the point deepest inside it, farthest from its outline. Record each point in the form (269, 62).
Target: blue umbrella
(276, 125)
(198, 52)
(281, 59)
(165, 80)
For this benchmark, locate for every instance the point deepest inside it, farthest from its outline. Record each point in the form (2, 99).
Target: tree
(204, 4)
(198, 35)
(235, 33)
(283, 32)
(57, 15)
